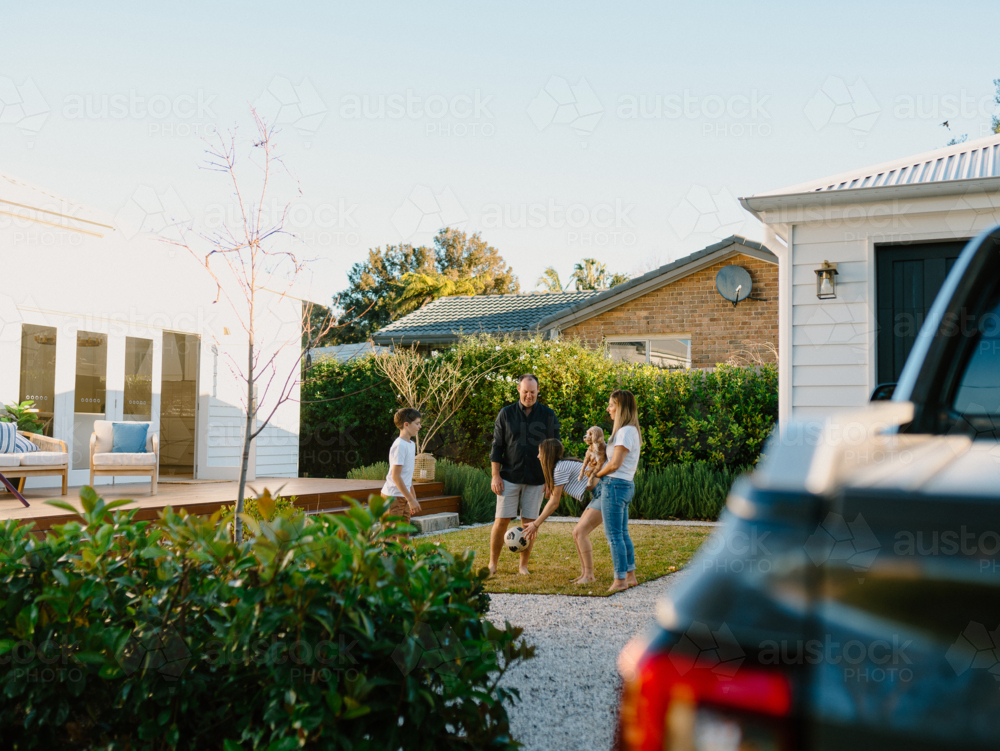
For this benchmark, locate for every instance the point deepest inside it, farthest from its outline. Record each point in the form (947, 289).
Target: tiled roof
(665, 274)
(443, 319)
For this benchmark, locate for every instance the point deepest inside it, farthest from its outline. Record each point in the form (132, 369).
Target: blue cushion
(24, 445)
(129, 437)
(8, 438)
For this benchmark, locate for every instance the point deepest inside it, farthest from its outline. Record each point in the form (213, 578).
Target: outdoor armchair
(104, 462)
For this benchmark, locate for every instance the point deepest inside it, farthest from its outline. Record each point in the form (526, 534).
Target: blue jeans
(616, 494)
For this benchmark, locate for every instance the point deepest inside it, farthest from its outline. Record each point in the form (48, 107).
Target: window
(38, 371)
(138, 379)
(978, 392)
(661, 352)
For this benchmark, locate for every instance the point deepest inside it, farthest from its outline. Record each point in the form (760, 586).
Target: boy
(398, 488)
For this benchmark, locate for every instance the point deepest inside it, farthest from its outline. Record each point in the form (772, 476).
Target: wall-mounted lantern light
(826, 281)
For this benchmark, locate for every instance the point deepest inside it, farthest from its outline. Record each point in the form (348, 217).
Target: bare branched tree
(254, 273)
(436, 387)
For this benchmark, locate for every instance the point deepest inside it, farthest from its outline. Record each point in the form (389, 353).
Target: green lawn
(659, 550)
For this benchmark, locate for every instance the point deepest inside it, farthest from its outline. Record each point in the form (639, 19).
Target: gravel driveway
(569, 692)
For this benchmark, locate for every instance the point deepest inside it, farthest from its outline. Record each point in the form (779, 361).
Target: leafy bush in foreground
(323, 632)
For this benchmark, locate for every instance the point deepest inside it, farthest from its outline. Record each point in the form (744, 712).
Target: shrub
(682, 491)
(721, 418)
(266, 507)
(324, 632)
(479, 502)
(376, 471)
(346, 417)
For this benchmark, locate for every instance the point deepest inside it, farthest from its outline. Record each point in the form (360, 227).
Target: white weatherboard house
(105, 323)
(893, 232)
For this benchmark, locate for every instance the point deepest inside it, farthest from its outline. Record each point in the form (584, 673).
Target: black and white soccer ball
(515, 541)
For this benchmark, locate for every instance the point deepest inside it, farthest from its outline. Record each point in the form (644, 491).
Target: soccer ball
(515, 540)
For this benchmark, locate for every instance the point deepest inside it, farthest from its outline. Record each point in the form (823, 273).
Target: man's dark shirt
(516, 438)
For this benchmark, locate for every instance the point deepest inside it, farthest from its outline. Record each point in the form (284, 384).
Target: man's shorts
(530, 497)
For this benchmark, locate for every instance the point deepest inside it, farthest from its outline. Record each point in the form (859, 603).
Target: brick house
(673, 316)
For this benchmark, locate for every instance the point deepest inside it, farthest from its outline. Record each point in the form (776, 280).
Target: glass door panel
(38, 371)
(138, 405)
(178, 400)
(90, 397)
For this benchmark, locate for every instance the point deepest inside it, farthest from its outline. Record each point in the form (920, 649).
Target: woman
(562, 475)
(617, 486)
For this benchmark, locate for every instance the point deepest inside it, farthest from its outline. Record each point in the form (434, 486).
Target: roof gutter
(757, 205)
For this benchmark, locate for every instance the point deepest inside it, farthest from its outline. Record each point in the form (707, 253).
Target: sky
(622, 132)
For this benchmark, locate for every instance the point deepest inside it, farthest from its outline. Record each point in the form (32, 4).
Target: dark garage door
(908, 278)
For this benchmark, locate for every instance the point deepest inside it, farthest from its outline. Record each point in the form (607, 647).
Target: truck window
(978, 390)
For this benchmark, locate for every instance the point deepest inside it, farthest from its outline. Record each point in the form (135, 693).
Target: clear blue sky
(670, 172)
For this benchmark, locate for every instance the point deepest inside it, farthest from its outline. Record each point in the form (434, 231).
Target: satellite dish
(733, 283)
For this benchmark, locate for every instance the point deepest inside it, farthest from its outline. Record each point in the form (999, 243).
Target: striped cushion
(8, 437)
(24, 445)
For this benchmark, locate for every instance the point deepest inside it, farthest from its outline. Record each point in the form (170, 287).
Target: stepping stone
(435, 522)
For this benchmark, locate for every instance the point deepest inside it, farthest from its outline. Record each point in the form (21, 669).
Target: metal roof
(963, 161)
(656, 278)
(26, 201)
(444, 319)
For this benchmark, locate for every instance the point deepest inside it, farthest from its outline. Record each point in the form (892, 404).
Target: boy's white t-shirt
(403, 453)
(627, 436)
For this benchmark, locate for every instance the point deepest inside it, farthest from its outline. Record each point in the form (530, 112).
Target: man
(517, 474)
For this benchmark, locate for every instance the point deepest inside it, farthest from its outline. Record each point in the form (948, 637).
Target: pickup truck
(851, 597)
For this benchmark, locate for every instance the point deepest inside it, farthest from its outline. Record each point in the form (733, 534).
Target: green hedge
(325, 632)
(346, 418)
(721, 418)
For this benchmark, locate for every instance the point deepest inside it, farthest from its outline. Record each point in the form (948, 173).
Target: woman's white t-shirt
(403, 453)
(627, 436)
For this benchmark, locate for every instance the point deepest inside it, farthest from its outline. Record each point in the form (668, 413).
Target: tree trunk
(247, 436)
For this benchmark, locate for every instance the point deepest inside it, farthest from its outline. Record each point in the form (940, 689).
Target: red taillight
(671, 702)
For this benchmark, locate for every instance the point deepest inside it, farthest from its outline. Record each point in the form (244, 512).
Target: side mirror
(883, 392)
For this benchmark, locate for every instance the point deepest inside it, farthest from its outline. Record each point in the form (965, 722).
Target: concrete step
(435, 522)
